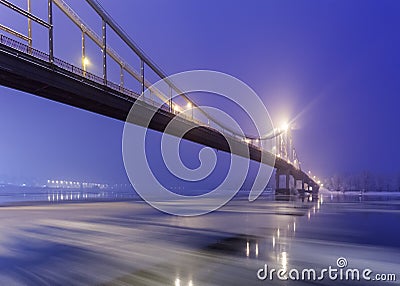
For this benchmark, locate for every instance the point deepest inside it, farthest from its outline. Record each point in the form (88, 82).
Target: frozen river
(129, 243)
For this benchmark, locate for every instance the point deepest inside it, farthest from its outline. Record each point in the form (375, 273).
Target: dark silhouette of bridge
(24, 68)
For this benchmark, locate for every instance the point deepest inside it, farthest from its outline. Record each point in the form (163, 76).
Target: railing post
(50, 19)
(142, 74)
(29, 28)
(83, 54)
(104, 52)
(121, 77)
(170, 99)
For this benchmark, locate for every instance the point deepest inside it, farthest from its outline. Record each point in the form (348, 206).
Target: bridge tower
(284, 177)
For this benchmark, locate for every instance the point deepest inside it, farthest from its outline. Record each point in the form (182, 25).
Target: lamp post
(190, 106)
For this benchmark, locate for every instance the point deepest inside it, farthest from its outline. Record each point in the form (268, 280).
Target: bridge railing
(23, 48)
(64, 65)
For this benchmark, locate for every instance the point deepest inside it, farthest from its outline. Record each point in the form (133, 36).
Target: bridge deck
(33, 74)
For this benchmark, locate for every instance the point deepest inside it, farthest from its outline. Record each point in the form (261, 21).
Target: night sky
(333, 67)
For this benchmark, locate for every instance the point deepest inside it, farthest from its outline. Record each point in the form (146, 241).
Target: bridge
(26, 68)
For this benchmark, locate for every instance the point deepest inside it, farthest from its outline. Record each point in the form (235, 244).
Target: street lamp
(285, 127)
(176, 108)
(85, 63)
(189, 105)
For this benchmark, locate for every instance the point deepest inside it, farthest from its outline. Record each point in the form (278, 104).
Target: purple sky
(331, 65)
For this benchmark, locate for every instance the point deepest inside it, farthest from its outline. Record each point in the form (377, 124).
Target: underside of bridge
(24, 72)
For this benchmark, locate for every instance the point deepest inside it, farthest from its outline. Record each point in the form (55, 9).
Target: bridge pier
(312, 188)
(301, 189)
(315, 192)
(279, 190)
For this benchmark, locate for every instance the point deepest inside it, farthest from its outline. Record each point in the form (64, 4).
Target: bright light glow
(309, 172)
(256, 249)
(189, 105)
(177, 282)
(247, 249)
(322, 185)
(247, 140)
(319, 182)
(177, 108)
(85, 61)
(284, 260)
(285, 127)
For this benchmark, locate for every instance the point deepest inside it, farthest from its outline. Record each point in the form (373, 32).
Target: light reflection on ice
(130, 243)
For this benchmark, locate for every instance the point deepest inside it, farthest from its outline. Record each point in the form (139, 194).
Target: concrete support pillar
(287, 180)
(282, 187)
(277, 179)
(315, 192)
